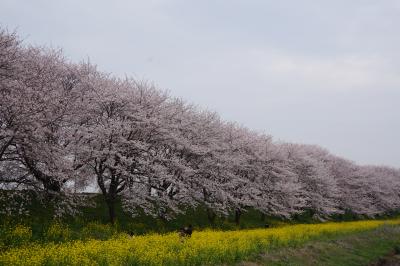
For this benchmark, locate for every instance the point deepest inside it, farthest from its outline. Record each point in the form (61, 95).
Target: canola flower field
(204, 247)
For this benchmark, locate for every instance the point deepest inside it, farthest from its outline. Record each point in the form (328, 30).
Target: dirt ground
(390, 260)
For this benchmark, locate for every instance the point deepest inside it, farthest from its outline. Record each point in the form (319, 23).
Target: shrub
(98, 231)
(137, 228)
(57, 232)
(14, 236)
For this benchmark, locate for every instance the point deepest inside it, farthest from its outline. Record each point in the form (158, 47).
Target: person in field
(186, 232)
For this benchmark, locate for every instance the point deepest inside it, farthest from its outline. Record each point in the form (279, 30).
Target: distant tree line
(66, 126)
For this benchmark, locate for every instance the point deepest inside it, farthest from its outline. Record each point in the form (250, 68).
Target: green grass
(356, 249)
(40, 217)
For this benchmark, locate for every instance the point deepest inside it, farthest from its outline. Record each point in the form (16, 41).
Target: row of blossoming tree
(66, 128)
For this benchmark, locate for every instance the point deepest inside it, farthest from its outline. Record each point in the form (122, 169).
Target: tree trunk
(238, 213)
(110, 195)
(262, 217)
(162, 214)
(210, 213)
(211, 216)
(50, 183)
(111, 210)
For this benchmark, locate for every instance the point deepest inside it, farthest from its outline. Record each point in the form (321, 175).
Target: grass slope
(362, 248)
(40, 215)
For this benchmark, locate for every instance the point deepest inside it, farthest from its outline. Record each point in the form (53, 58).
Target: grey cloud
(319, 72)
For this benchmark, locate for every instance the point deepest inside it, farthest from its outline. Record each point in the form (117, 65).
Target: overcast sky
(316, 72)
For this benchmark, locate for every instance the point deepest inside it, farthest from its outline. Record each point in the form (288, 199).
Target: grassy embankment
(40, 219)
(92, 239)
(379, 247)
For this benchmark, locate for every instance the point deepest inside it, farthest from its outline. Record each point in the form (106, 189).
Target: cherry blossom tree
(319, 188)
(65, 126)
(38, 108)
(9, 55)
